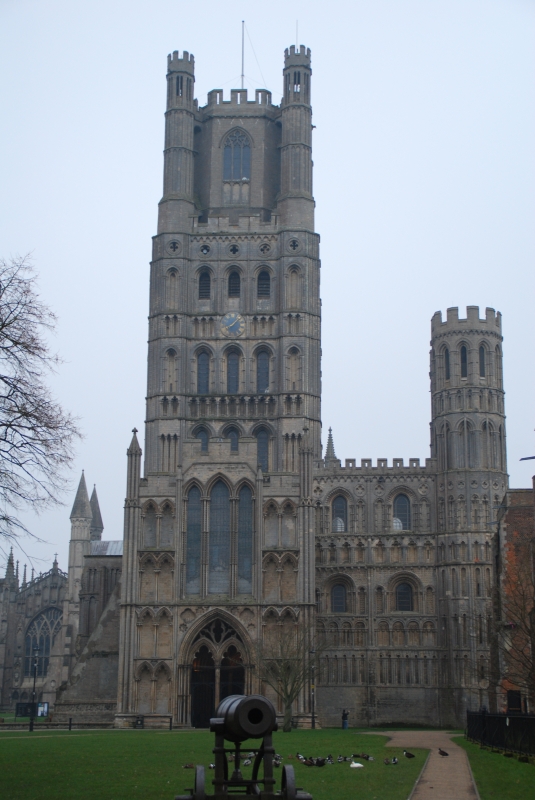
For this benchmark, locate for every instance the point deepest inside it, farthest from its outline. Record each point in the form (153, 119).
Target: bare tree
(36, 434)
(288, 659)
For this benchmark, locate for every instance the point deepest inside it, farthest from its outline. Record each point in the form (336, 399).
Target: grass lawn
(499, 778)
(148, 764)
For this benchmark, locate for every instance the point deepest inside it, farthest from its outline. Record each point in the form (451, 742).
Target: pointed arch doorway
(217, 670)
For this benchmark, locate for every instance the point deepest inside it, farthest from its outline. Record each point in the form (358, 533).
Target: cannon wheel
(288, 790)
(199, 793)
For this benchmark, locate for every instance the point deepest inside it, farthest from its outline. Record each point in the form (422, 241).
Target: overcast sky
(423, 178)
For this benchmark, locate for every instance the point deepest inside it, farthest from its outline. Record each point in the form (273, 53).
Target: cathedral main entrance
(217, 671)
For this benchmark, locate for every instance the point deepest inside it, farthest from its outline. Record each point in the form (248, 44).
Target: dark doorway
(202, 688)
(232, 673)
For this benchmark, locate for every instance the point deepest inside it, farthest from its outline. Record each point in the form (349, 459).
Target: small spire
(10, 566)
(24, 576)
(134, 448)
(81, 508)
(97, 526)
(33, 573)
(55, 563)
(330, 446)
(17, 571)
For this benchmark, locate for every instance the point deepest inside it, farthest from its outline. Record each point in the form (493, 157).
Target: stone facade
(240, 526)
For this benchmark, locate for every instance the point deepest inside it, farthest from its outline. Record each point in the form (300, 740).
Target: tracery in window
(264, 284)
(219, 546)
(41, 634)
(402, 513)
(237, 157)
(234, 284)
(339, 514)
(204, 285)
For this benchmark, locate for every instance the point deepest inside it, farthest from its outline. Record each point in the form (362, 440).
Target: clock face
(232, 324)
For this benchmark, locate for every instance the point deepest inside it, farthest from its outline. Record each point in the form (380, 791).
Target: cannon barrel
(239, 717)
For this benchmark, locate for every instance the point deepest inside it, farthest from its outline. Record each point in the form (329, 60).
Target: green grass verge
(499, 778)
(112, 765)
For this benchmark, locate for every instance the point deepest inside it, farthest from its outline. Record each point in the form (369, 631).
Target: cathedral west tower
(219, 532)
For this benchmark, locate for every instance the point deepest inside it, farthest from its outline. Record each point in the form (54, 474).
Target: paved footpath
(442, 778)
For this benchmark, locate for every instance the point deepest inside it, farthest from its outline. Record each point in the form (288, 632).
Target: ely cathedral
(236, 525)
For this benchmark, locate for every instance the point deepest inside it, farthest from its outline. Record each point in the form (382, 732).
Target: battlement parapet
(238, 97)
(492, 318)
(184, 64)
(382, 464)
(297, 58)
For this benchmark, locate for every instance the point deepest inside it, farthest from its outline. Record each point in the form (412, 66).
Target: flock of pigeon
(319, 762)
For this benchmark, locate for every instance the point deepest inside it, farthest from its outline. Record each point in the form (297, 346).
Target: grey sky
(424, 183)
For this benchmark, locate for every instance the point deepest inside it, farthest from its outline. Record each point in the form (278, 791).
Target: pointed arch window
(233, 372)
(202, 435)
(481, 362)
(338, 599)
(262, 372)
(193, 542)
(204, 285)
(219, 547)
(262, 440)
(203, 373)
(404, 597)
(264, 284)
(234, 284)
(402, 513)
(237, 157)
(245, 540)
(339, 514)
(447, 364)
(149, 526)
(464, 362)
(41, 634)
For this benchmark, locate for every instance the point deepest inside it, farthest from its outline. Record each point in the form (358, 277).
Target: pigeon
(212, 766)
(278, 756)
(355, 765)
(299, 756)
(247, 762)
(407, 754)
(340, 759)
(365, 756)
(231, 757)
(329, 759)
(188, 766)
(320, 762)
(386, 761)
(308, 762)
(394, 760)
(250, 755)
(276, 763)
(442, 752)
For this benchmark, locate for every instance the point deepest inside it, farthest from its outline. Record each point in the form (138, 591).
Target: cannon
(238, 718)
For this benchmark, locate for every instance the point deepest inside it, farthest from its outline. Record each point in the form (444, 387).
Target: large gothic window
(233, 372)
(245, 541)
(203, 373)
(193, 542)
(262, 439)
(219, 549)
(262, 371)
(237, 157)
(41, 634)
(339, 514)
(402, 513)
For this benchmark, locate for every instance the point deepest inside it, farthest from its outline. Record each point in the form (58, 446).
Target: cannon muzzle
(241, 717)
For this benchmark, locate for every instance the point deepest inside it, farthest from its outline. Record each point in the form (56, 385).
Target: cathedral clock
(232, 324)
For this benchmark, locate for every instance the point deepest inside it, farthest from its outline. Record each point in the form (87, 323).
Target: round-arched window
(404, 597)
(402, 513)
(338, 599)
